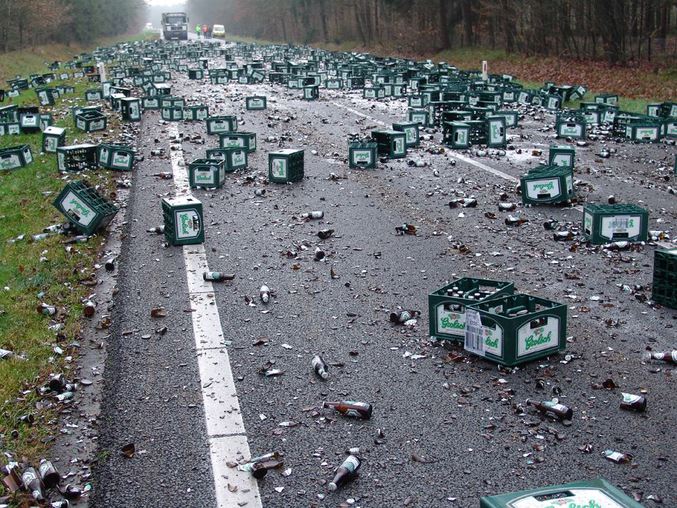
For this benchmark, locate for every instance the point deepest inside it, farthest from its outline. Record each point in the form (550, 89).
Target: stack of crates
(84, 207)
(115, 156)
(446, 306)
(665, 277)
(613, 223)
(547, 185)
(391, 144)
(76, 157)
(285, 165)
(183, 220)
(52, 138)
(515, 329)
(15, 157)
(206, 173)
(362, 154)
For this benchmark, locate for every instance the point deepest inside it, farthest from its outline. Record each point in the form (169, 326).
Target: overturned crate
(664, 287)
(52, 138)
(84, 207)
(130, 109)
(561, 155)
(362, 154)
(390, 143)
(411, 131)
(446, 306)
(613, 223)
(515, 329)
(15, 157)
(286, 166)
(76, 157)
(183, 220)
(547, 185)
(115, 156)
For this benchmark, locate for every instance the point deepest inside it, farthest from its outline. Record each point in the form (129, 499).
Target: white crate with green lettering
(15, 157)
(52, 138)
(286, 166)
(613, 223)
(183, 220)
(446, 306)
(83, 206)
(515, 329)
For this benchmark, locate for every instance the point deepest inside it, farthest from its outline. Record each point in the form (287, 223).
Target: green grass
(26, 196)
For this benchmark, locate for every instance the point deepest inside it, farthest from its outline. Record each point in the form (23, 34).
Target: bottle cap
(332, 486)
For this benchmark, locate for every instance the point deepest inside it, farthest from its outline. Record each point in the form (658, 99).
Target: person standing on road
(197, 31)
(204, 31)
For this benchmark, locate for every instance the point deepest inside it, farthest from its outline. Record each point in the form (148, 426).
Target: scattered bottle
(50, 476)
(316, 214)
(109, 264)
(320, 367)
(406, 229)
(39, 236)
(217, 276)
(506, 207)
(325, 233)
(346, 472)
(611, 200)
(351, 408)
(617, 457)
(259, 466)
(164, 175)
(89, 308)
(319, 254)
(555, 409)
(512, 220)
(57, 383)
(632, 402)
(404, 316)
(550, 224)
(463, 202)
(265, 293)
(32, 483)
(669, 356)
(158, 230)
(46, 310)
(563, 236)
(259, 192)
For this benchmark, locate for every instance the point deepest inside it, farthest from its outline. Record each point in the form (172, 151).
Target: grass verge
(45, 270)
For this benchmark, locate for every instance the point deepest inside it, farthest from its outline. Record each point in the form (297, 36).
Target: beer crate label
(650, 133)
(562, 159)
(578, 497)
(61, 161)
(461, 137)
(629, 225)
(77, 209)
(410, 133)
(121, 160)
(28, 156)
(450, 320)
(187, 224)
(30, 121)
(96, 125)
(201, 114)
(239, 158)
(362, 157)
(204, 176)
(50, 144)
(233, 142)
(104, 154)
(279, 168)
(537, 335)
(399, 148)
(570, 130)
(544, 189)
(10, 161)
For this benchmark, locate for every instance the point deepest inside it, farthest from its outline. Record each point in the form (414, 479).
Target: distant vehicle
(218, 31)
(175, 25)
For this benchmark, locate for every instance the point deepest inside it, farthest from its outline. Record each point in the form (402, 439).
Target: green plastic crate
(391, 144)
(47, 96)
(183, 220)
(84, 207)
(495, 132)
(29, 119)
(584, 494)
(150, 103)
(571, 128)
(411, 131)
(547, 185)
(130, 109)
(233, 158)
(116, 157)
(167, 101)
(446, 306)
(285, 165)
(362, 154)
(196, 113)
(94, 94)
(10, 129)
(644, 132)
(221, 124)
(172, 113)
(196, 73)
(91, 121)
(206, 173)
(256, 103)
(420, 116)
(46, 119)
(456, 134)
(245, 140)
(52, 138)
(76, 157)
(511, 117)
(561, 155)
(15, 157)
(607, 98)
(311, 93)
(612, 223)
(515, 329)
(665, 277)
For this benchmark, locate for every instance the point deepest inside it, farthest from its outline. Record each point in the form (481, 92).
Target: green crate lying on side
(515, 329)
(613, 223)
(547, 185)
(115, 156)
(15, 157)
(446, 306)
(664, 287)
(561, 155)
(84, 207)
(76, 157)
(411, 131)
(206, 173)
(52, 138)
(362, 155)
(286, 165)
(183, 220)
(391, 144)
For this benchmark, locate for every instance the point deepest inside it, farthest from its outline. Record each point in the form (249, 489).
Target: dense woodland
(27, 23)
(613, 30)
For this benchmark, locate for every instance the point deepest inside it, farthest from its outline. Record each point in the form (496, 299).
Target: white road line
(225, 428)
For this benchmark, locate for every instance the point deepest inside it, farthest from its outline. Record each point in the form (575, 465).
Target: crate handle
(538, 322)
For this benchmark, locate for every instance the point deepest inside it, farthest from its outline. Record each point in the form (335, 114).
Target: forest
(615, 31)
(29, 23)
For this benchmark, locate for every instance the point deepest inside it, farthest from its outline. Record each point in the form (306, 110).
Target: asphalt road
(451, 431)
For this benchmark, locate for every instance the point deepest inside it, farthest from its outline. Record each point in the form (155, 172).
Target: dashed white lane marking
(225, 428)
(460, 157)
